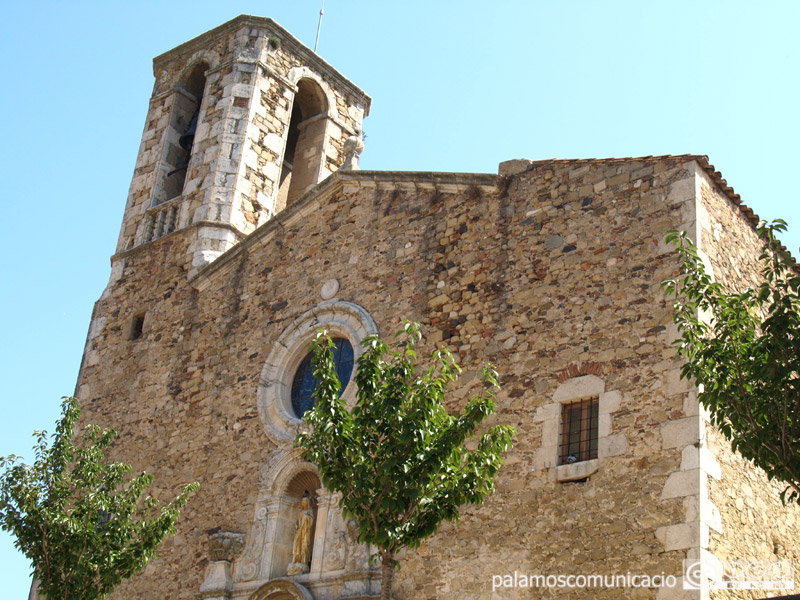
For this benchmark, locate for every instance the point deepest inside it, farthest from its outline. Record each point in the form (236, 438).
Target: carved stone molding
(340, 318)
(250, 567)
(225, 545)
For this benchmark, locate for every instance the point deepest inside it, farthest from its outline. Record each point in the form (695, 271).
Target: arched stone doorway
(281, 589)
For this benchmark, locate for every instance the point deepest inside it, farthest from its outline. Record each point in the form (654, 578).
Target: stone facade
(550, 269)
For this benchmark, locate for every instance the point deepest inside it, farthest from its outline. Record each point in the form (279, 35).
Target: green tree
(743, 349)
(74, 516)
(398, 457)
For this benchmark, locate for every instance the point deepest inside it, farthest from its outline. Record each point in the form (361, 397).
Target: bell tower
(243, 120)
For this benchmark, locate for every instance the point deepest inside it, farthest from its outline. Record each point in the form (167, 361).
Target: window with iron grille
(579, 431)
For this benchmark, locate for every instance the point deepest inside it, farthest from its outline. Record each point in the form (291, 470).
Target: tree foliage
(73, 514)
(398, 457)
(743, 348)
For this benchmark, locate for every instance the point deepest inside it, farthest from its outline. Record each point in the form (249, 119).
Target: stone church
(248, 226)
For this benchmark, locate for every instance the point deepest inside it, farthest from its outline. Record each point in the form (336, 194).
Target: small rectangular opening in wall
(579, 431)
(137, 327)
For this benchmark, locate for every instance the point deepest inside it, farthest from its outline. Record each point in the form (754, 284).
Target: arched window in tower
(304, 155)
(180, 137)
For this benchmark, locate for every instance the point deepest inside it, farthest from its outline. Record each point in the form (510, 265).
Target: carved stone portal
(332, 563)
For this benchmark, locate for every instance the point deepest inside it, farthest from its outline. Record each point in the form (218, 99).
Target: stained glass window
(304, 382)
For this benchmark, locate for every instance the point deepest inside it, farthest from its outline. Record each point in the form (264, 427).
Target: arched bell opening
(187, 100)
(304, 152)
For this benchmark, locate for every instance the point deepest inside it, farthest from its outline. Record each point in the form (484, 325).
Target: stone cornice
(288, 42)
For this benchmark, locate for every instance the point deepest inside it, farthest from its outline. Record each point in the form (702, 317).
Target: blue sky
(456, 86)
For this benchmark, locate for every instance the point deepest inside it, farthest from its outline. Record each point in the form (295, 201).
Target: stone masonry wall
(755, 526)
(550, 271)
(131, 384)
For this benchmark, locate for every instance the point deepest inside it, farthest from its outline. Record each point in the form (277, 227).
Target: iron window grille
(579, 431)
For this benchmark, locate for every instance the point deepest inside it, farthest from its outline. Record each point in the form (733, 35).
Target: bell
(187, 139)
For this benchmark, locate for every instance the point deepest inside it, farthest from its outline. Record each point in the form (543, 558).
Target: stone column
(324, 499)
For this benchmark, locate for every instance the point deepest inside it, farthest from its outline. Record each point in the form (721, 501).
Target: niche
(305, 483)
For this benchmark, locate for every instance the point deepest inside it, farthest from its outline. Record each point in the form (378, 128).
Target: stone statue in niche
(301, 548)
